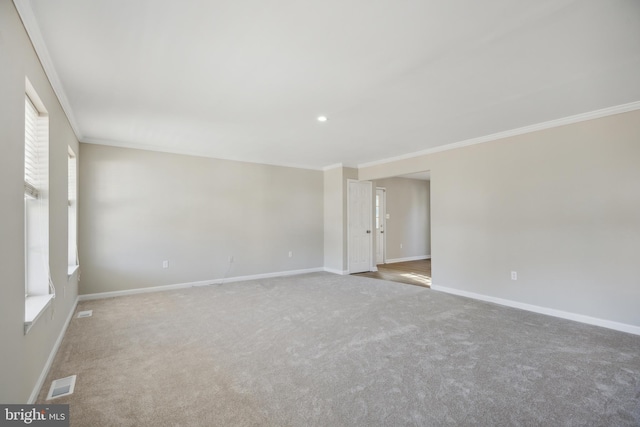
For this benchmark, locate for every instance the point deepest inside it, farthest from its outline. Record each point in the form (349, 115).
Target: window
(39, 289)
(72, 168)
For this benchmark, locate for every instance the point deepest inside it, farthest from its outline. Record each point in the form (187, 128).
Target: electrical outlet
(230, 259)
(290, 254)
(514, 275)
(165, 264)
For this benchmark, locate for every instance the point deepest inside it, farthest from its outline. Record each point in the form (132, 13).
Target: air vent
(86, 313)
(62, 387)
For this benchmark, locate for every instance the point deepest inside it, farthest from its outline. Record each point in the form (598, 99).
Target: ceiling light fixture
(322, 118)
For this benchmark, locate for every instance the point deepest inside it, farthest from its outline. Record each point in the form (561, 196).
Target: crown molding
(604, 112)
(33, 31)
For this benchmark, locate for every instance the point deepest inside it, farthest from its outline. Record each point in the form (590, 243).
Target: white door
(359, 199)
(380, 223)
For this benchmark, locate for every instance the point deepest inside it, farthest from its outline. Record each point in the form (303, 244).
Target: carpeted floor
(328, 350)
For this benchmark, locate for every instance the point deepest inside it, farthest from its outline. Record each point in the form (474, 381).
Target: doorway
(401, 218)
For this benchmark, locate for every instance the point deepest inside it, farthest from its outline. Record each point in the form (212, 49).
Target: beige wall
(24, 356)
(559, 206)
(333, 220)
(408, 225)
(140, 208)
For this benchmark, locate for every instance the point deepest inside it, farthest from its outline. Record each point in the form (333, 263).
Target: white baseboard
(112, 294)
(411, 258)
(623, 327)
(52, 355)
(334, 271)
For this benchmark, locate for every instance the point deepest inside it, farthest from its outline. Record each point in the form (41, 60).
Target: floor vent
(87, 313)
(62, 387)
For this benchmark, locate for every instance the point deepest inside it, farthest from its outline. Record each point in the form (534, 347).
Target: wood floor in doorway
(416, 273)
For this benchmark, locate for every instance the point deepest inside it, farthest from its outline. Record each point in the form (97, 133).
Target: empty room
(333, 213)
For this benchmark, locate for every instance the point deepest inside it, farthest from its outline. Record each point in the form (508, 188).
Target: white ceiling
(245, 80)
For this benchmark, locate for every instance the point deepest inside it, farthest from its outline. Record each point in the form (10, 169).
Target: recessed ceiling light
(322, 118)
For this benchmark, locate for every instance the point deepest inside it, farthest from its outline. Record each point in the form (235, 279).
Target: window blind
(71, 170)
(31, 151)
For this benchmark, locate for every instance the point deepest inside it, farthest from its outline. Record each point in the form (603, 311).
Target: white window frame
(39, 290)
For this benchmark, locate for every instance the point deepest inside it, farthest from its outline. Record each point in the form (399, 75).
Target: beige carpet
(328, 350)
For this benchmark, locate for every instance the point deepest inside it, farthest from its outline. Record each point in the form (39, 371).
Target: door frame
(372, 254)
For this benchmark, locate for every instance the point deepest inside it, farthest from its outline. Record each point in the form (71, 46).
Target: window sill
(71, 269)
(34, 306)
